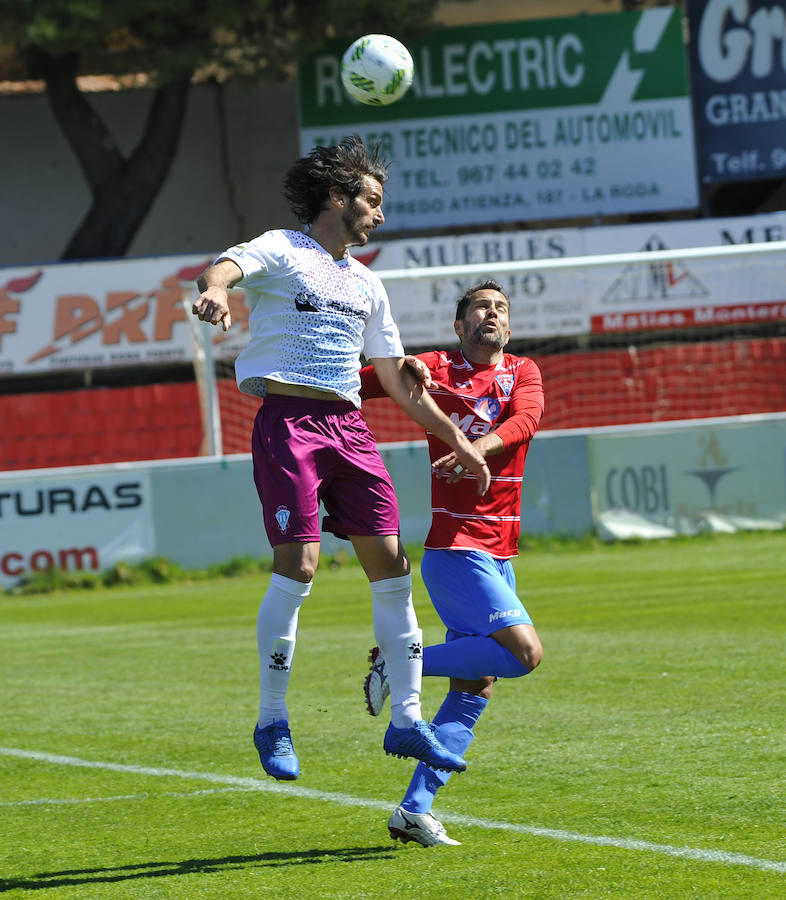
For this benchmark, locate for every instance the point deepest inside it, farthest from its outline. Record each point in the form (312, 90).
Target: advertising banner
(738, 74)
(74, 520)
(131, 312)
(525, 120)
(95, 314)
(684, 480)
(541, 303)
(697, 293)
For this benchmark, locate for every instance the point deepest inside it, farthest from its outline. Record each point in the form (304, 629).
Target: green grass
(657, 716)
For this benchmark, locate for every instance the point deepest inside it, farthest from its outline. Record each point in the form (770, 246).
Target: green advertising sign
(515, 66)
(523, 120)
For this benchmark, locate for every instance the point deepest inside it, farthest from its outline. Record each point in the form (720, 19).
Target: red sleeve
(370, 387)
(526, 406)
(369, 384)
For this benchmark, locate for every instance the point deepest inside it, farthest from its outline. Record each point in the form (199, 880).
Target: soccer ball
(377, 70)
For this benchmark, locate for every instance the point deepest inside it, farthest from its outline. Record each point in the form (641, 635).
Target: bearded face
(486, 322)
(363, 213)
(488, 334)
(353, 220)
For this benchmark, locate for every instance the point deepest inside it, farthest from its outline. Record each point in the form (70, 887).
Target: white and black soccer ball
(377, 69)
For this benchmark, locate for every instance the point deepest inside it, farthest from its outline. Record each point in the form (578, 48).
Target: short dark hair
(466, 297)
(308, 181)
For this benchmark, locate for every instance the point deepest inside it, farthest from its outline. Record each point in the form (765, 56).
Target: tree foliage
(168, 37)
(170, 41)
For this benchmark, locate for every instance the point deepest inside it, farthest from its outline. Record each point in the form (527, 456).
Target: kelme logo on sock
(415, 650)
(279, 656)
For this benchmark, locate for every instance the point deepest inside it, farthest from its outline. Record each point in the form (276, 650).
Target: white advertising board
(131, 312)
(716, 475)
(542, 303)
(715, 291)
(74, 520)
(95, 314)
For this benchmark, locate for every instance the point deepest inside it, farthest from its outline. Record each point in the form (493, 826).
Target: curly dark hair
(466, 297)
(308, 181)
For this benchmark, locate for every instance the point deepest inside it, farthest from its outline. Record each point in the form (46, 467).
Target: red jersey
(506, 398)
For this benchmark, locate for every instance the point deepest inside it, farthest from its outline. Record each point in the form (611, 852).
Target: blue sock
(454, 725)
(471, 658)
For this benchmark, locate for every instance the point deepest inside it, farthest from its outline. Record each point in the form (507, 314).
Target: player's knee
(534, 657)
(305, 573)
(297, 570)
(529, 654)
(522, 642)
(296, 561)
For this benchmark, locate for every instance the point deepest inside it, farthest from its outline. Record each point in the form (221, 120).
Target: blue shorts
(472, 592)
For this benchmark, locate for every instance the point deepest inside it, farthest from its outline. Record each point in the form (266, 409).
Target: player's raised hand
(447, 466)
(419, 369)
(212, 306)
(467, 459)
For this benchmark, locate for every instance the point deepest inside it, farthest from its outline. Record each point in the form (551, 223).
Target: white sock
(401, 642)
(276, 636)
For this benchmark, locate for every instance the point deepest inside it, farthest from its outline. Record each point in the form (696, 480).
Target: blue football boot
(419, 742)
(276, 753)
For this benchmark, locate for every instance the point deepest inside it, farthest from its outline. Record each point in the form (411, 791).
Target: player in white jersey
(313, 310)
(466, 566)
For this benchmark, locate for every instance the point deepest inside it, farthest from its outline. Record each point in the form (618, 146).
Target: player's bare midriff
(299, 390)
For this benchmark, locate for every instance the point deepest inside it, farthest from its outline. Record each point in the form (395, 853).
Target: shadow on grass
(76, 877)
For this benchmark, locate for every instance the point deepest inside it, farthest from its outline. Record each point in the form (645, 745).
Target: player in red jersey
(496, 398)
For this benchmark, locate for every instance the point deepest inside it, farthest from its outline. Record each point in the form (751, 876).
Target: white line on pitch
(117, 798)
(256, 784)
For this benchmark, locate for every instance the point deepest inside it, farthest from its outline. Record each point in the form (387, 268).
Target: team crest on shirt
(488, 408)
(282, 517)
(505, 381)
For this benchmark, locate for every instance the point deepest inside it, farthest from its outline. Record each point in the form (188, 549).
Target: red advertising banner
(693, 317)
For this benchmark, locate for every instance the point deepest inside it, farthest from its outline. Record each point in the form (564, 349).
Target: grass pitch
(643, 759)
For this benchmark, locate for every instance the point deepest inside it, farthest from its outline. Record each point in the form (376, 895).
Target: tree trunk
(123, 188)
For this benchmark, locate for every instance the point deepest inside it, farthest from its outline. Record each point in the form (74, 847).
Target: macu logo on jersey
(504, 614)
(480, 420)
(470, 424)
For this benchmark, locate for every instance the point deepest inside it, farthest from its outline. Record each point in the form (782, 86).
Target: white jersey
(310, 316)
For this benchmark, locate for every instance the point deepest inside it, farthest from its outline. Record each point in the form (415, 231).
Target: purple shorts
(308, 450)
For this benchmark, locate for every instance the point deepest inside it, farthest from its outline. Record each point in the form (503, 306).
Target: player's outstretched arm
(449, 466)
(371, 387)
(212, 304)
(401, 385)
(525, 412)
